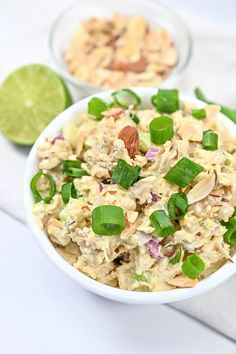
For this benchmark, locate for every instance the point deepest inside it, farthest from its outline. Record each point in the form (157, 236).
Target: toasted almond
(202, 189)
(137, 28)
(137, 66)
(73, 66)
(129, 51)
(131, 216)
(83, 72)
(212, 110)
(165, 39)
(112, 192)
(191, 131)
(119, 65)
(169, 57)
(120, 22)
(145, 76)
(127, 224)
(113, 112)
(80, 143)
(181, 281)
(152, 40)
(115, 79)
(130, 137)
(100, 57)
(86, 207)
(129, 230)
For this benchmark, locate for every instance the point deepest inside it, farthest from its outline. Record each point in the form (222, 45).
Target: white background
(41, 311)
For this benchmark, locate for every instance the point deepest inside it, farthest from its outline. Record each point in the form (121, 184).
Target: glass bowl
(157, 15)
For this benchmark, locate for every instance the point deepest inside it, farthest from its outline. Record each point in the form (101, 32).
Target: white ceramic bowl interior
(158, 15)
(73, 113)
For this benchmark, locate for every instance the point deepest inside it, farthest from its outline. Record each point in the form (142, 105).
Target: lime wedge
(30, 98)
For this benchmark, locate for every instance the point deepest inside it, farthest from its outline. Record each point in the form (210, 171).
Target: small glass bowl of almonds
(113, 44)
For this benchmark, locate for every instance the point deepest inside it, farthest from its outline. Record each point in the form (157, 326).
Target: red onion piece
(154, 197)
(58, 137)
(152, 152)
(101, 187)
(154, 248)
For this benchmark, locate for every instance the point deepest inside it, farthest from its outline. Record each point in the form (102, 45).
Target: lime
(30, 98)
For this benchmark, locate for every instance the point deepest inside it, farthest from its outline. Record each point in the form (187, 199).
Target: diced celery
(70, 133)
(145, 142)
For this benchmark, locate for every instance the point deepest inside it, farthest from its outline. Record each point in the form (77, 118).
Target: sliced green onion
(230, 113)
(183, 172)
(134, 118)
(230, 234)
(68, 191)
(176, 258)
(36, 194)
(161, 222)
(125, 175)
(161, 130)
(126, 97)
(96, 106)
(199, 113)
(67, 164)
(108, 220)
(166, 101)
(210, 140)
(193, 266)
(76, 172)
(140, 277)
(177, 205)
(72, 168)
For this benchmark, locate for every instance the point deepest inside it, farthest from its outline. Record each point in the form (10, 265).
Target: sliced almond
(129, 51)
(165, 39)
(113, 112)
(120, 22)
(137, 66)
(112, 192)
(169, 57)
(129, 230)
(202, 189)
(181, 281)
(131, 216)
(80, 143)
(153, 40)
(137, 28)
(212, 110)
(130, 137)
(119, 65)
(191, 131)
(100, 57)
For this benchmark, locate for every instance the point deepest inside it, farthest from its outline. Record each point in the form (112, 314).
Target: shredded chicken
(125, 260)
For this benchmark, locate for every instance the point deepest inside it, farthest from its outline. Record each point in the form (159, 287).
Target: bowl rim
(90, 88)
(221, 275)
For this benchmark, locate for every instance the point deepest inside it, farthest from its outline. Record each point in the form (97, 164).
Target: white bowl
(54, 127)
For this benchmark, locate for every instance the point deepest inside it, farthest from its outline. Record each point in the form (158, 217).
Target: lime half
(30, 98)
